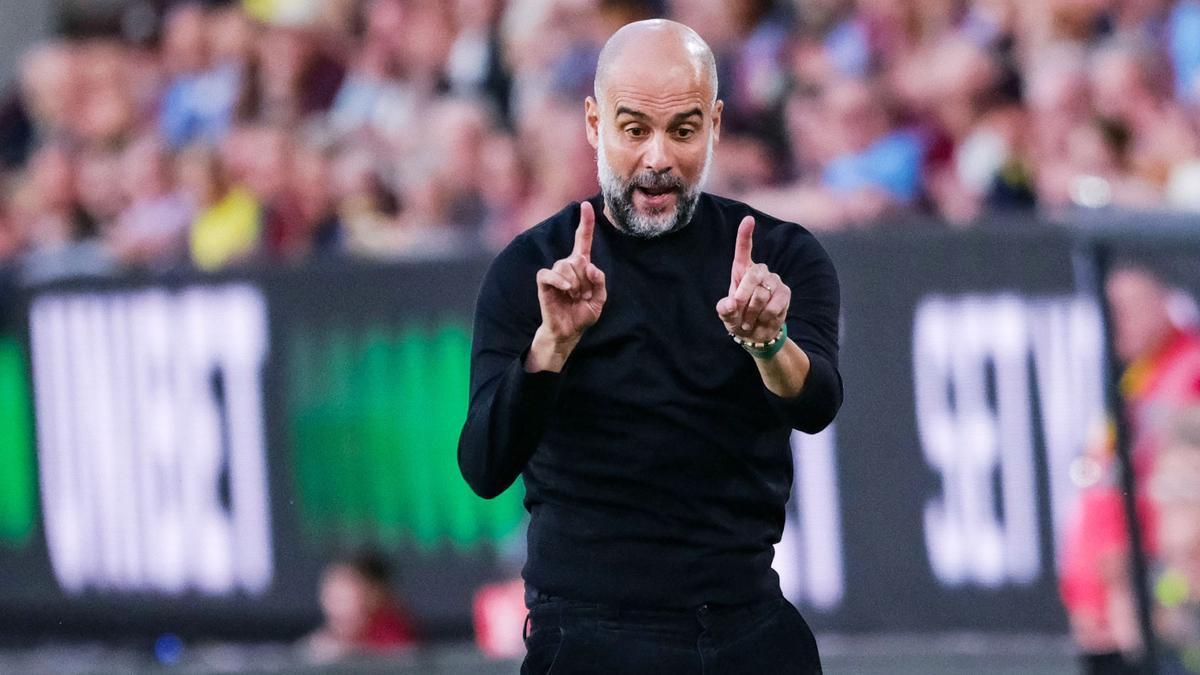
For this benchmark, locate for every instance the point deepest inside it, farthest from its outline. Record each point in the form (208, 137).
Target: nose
(655, 157)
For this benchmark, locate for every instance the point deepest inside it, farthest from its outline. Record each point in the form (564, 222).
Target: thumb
(725, 307)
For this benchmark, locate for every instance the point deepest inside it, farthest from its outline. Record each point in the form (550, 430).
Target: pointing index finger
(583, 233)
(745, 241)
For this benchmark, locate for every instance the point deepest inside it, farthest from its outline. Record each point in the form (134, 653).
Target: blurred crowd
(230, 133)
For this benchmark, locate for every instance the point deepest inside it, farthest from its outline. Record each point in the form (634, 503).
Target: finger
(753, 278)
(595, 275)
(775, 313)
(758, 301)
(599, 286)
(580, 265)
(726, 309)
(741, 250)
(771, 319)
(585, 231)
(550, 279)
(595, 282)
(564, 269)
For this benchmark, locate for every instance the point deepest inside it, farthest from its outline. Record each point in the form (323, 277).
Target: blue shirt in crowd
(891, 164)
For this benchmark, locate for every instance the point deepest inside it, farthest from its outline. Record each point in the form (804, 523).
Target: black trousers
(565, 638)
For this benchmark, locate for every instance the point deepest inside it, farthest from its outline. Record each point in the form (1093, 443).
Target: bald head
(653, 123)
(655, 47)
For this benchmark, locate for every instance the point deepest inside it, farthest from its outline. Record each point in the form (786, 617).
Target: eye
(685, 132)
(635, 131)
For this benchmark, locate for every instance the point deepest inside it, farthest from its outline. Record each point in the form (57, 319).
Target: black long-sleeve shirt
(657, 463)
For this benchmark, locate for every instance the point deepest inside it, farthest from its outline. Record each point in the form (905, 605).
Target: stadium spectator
(562, 164)
(368, 204)
(475, 61)
(1161, 378)
(1160, 346)
(857, 164)
(63, 238)
(266, 171)
(754, 77)
(297, 75)
(1183, 43)
(361, 614)
(319, 230)
(98, 191)
(372, 97)
(461, 126)
(874, 165)
(198, 101)
(41, 108)
(228, 223)
(151, 230)
(106, 112)
(1057, 94)
(505, 181)
(1175, 489)
(967, 101)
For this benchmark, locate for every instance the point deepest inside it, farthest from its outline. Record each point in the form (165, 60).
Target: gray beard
(618, 196)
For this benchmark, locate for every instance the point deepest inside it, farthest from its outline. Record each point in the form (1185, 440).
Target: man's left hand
(758, 300)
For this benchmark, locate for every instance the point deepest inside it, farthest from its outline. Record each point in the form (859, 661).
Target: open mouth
(651, 191)
(655, 195)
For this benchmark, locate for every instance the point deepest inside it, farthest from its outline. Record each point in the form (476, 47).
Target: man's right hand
(571, 294)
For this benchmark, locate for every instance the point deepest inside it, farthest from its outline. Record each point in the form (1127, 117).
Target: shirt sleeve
(508, 407)
(812, 323)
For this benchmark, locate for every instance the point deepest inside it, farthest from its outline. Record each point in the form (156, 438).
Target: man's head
(1140, 311)
(855, 117)
(50, 84)
(352, 590)
(653, 123)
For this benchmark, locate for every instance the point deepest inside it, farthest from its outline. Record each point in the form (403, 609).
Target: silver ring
(770, 289)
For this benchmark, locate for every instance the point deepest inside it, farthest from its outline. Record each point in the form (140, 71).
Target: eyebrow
(677, 119)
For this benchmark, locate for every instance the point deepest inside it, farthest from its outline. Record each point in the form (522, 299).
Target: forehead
(655, 105)
(657, 92)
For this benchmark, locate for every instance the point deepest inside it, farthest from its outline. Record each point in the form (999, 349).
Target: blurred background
(239, 249)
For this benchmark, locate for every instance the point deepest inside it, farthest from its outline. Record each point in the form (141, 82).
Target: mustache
(652, 180)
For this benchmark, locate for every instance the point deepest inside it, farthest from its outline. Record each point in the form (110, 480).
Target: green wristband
(763, 350)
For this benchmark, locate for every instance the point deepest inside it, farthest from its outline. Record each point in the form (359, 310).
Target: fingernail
(745, 326)
(587, 296)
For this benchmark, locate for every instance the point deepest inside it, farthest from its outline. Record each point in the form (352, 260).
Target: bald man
(641, 359)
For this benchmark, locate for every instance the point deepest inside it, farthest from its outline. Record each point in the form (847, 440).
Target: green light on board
(374, 418)
(17, 498)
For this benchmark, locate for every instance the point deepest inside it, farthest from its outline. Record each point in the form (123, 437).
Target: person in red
(1161, 377)
(361, 614)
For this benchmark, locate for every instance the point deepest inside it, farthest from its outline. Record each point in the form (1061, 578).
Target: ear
(718, 106)
(591, 118)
